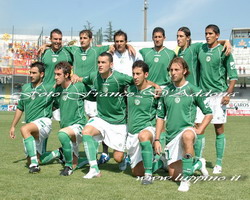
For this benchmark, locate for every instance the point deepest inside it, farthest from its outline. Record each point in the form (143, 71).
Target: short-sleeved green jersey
(85, 62)
(50, 59)
(190, 55)
(36, 102)
(215, 67)
(71, 104)
(179, 105)
(142, 108)
(110, 94)
(158, 63)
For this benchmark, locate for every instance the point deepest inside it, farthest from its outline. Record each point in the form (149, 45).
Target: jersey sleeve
(88, 79)
(125, 79)
(161, 108)
(102, 49)
(20, 105)
(196, 47)
(203, 105)
(230, 67)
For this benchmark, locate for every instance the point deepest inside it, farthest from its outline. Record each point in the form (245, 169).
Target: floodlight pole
(145, 19)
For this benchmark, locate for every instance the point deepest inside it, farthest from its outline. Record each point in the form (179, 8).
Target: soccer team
(151, 107)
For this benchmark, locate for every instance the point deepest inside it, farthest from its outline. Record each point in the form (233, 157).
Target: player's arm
(161, 113)
(42, 49)
(159, 126)
(158, 89)
(233, 77)
(205, 122)
(227, 47)
(17, 117)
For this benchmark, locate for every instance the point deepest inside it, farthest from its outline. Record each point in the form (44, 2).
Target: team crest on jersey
(208, 58)
(64, 97)
(105, 89)
(177, 100)
(54, 60)
(137, 102)
(156, 59)
(84, 58)
(33, 96)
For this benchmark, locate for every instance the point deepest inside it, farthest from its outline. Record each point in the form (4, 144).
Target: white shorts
(113, 135)
(134, 148)
(77, 128)
(174, 149)
(56, 115)
(44, 126)
(90, 108)
(219, 111)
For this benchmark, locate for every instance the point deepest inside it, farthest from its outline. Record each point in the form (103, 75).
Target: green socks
(30, 146)
(220, 144)
(49, 156)
(147, 156)
(90, 147)
(199, 146)
(187, 165)
(67, 148)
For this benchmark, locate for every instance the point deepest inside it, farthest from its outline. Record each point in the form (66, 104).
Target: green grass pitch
(17, 183)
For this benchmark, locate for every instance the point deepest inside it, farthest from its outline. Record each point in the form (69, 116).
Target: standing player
(215, 67)
(158, 58)
(189, 52)
(38, 111)
(179, 103)
(123, 60)
(72, 115)
(142, 106)
(54, 55)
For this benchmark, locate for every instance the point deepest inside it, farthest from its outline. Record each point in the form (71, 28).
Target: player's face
(56, 41)
(182, 39)
(211, 36)
(85, 41)
(158, 39)
(139, 76)
(120, 43)
(35, 75)
(177, 72)
(59, 76)
(104, 65)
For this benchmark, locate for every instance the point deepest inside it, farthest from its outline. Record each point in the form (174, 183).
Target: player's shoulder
(26, 86)
(146, 49)
(192, 88)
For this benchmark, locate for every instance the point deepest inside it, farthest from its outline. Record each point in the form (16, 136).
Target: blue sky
(31, 15)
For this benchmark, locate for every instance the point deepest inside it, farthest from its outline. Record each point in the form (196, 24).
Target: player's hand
(112, 49)
(131, 50)
(12, 133)
(158, 91)
(227, 48)
(75, 78)
(225, 100)
(198, 131)
(157, 147)
(41, 49)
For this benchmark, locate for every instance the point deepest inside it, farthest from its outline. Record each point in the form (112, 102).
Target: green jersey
(142, 108)
(50, 59)
(85, 62)
(71, 105)
(110, 99)
(190, 55)
(215, 67)
(36, 102)
(179, 105)
(158, 62)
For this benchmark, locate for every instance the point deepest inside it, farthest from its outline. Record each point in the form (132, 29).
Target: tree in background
(109, 33)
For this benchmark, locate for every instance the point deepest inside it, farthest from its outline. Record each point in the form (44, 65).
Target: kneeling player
(36, 102)
(72, 118)
(142, 106)
(179, 105)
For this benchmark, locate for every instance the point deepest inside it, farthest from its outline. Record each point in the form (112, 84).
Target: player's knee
(118, 157)
(188, 136)
(25, 131)
(143, 137)
(87, 131)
